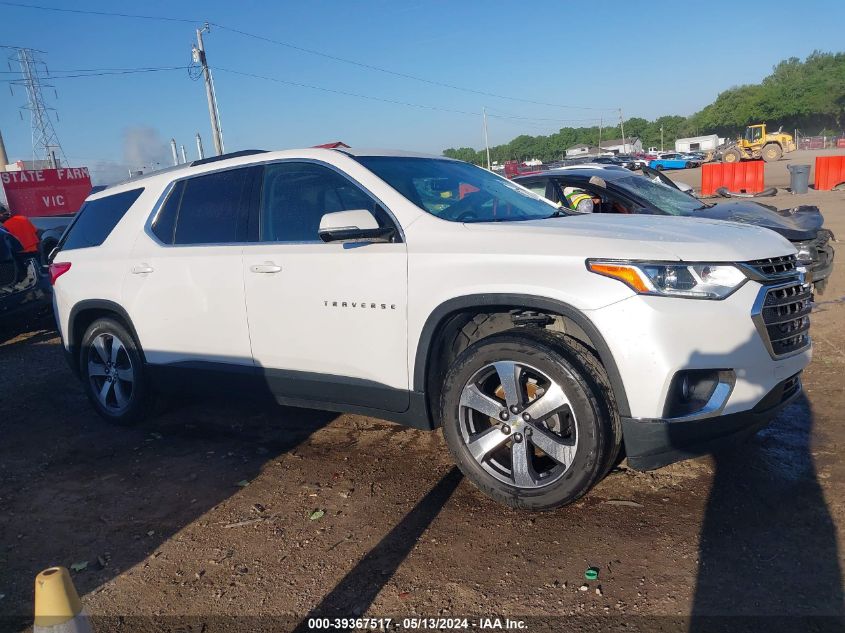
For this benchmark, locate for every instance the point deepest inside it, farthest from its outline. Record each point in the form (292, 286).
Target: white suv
(434, 293)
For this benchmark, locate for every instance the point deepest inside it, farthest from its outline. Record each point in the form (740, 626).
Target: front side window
(96, 219)
(212, 209)
(537, 186)
(456, 191)
(296, 196)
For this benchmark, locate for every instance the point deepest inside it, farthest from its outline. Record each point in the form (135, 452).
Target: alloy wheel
(518, 424)
(110, 372)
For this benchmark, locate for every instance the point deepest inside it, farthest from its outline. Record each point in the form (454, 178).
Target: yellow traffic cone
(57, 605)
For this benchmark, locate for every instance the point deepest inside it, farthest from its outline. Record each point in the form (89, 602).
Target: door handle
(266, 267)
(142, 268)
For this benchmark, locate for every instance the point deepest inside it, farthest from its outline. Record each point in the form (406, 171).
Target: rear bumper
(654, 443)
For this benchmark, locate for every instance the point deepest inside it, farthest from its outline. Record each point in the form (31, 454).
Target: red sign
(40, 192)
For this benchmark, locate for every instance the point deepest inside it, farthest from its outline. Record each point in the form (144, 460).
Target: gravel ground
(207, 512)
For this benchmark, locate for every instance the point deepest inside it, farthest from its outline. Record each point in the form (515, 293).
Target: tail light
(58, 269)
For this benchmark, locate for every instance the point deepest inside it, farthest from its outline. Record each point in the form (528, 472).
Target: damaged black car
(24, 284)
(597, 190)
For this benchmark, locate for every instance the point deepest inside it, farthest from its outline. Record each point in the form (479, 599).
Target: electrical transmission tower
(34, 76)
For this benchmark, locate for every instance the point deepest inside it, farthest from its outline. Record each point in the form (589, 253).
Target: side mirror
(354, 225)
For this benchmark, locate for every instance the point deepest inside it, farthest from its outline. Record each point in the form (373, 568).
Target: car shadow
(77, 490)
(768, 552)
(357, 590)
(768, 541)
(40, 326)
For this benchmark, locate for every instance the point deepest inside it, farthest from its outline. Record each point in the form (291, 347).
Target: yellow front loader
(757, 144)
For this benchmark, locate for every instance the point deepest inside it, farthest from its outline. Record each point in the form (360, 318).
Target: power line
(96, 70)
(21, 5)
(343, 92)
(400, 74)
(311, 51)
(127, 71)
(508, 115)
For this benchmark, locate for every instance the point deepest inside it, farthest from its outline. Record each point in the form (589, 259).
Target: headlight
(695, 281)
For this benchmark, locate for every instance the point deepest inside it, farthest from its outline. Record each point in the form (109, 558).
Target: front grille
(774, 267)
(785, 318)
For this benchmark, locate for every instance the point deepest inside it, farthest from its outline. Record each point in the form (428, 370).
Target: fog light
(691, 390)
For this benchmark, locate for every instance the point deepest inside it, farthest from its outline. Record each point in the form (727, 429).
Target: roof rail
(214, 159)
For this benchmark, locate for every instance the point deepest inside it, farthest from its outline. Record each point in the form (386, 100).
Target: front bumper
(654, 338)
(822, 266)
(654, 443)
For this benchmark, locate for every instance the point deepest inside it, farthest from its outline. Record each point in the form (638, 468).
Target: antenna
(45, 141)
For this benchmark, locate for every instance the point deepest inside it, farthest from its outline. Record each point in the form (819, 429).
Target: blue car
(669, 161)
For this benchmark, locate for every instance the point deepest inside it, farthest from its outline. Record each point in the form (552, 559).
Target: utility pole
(184, 154)
(622, 123)
(601, 124)
(4, 159)
(198, 54)
(661, 138)
(486, 140)
(173, 151)
(200, 153)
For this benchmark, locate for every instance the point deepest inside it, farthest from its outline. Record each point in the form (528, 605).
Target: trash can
(799, 178)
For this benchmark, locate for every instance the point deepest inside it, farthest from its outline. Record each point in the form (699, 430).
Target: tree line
(806, 95)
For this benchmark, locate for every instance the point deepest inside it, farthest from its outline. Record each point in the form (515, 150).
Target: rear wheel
(732, 156)
(772, 152)
(529, 417)
(112, 369)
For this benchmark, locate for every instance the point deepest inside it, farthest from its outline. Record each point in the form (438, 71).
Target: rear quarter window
(96, 220)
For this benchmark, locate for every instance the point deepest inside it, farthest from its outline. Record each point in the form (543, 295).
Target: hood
(796, 224)
(637, 237)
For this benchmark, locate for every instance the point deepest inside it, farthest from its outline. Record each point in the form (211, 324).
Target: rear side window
(213, 208)
(96, 220)
(164, 225)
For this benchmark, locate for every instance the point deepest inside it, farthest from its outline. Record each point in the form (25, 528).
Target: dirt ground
(204, 516)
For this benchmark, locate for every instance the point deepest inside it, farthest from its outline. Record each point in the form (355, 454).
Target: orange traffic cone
(57, 605)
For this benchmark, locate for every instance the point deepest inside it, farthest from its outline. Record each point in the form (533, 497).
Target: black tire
(771, 152)
(136, 394)
(584, 381)
(731, 156)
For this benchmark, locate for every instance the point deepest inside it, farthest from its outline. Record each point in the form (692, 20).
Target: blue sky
(649, 58)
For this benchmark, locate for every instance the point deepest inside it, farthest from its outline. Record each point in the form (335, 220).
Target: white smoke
(143, 150)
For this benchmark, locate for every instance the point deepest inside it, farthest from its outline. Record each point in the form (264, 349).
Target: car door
(185, 290)
(328, 321)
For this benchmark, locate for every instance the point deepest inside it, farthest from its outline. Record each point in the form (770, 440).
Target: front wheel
(112, 369)
(529, 418)
(732, 156)
(772, 152)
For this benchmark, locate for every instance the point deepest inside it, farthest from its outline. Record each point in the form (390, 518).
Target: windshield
(664, 197)
(458, 192)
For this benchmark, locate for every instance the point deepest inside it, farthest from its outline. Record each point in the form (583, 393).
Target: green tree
(808, 94)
